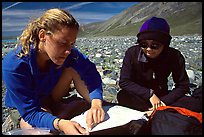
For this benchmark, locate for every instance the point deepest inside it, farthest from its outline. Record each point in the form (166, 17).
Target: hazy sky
(16, 15)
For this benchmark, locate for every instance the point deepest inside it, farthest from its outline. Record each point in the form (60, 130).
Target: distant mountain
(183, 17)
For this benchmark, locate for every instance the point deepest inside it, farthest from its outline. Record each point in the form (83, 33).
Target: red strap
(183, 111)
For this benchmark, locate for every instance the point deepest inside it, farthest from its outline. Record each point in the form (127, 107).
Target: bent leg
(80, 86)
(56, 105)
(61, 88)
(132, 101)
(71, 107)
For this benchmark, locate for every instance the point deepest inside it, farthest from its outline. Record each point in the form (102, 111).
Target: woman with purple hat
(147, 66)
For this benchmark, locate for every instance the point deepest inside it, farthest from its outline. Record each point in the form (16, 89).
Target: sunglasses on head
(152, 46)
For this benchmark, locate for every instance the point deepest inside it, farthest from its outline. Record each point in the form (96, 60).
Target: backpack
(170, 120)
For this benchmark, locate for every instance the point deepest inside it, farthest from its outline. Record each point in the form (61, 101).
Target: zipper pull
(153, 75)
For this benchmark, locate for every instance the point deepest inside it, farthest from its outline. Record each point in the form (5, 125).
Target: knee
(24, 124)
(121, 95)
(71, 72)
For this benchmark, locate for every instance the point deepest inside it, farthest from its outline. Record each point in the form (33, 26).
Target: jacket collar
(142, 57)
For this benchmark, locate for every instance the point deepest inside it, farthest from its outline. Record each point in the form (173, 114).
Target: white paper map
(114, 116)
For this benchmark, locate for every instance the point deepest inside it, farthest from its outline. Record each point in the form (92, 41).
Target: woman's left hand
(95, 114)
(156, 102)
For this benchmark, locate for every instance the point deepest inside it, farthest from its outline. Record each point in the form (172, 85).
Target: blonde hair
(51, 20)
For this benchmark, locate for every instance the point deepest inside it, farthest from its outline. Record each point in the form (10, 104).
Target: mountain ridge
(184, 18)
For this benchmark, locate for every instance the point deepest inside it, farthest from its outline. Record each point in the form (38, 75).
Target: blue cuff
(52, 123)
(96, 94)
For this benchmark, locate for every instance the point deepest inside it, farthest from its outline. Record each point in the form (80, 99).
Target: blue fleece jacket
(26, 85)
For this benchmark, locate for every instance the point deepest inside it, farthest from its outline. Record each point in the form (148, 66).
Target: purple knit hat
(155, 29)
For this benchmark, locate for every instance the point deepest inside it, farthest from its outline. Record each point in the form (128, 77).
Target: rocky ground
(108, 52)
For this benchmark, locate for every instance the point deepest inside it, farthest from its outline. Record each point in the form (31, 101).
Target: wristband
(58, 128)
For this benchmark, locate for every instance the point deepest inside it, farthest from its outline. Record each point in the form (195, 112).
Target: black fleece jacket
(139, 74)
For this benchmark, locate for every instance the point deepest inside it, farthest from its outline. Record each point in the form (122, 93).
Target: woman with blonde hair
(38, 74)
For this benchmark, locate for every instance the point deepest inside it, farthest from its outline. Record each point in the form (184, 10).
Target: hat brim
(155, 35)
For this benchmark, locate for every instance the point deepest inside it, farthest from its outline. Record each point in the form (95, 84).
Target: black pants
(130, 100)
(193, 102)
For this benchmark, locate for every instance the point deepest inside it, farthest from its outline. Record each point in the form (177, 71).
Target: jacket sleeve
(22, 96)
(88, 73)
(126, 83)
(180, 79)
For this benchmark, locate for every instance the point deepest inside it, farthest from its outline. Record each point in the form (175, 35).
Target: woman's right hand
(72, 128)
